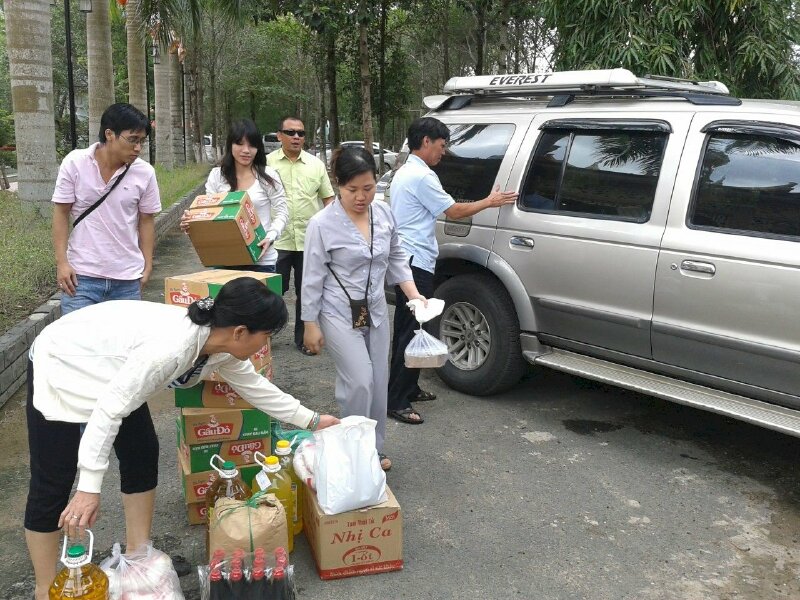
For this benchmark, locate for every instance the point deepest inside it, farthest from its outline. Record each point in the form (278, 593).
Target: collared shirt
(334, 240)
(306, 183)
(417, 200)
(98, 364)
(106, 243)
(268, 200)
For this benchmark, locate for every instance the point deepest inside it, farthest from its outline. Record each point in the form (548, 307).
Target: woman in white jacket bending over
(89, 378)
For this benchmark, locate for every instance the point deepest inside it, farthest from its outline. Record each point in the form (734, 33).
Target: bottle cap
(76, 551)
(228, 465)
(277, 573)
(283, 448)
(215, 575)
(272, 460)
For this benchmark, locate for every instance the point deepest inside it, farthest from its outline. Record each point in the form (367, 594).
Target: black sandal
(306, 351)
(423, 396)
(404, 416)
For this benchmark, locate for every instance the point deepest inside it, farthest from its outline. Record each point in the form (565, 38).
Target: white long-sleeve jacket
(100, 363)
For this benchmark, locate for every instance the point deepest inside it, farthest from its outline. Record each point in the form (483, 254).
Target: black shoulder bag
(359, 309)
(89, 210)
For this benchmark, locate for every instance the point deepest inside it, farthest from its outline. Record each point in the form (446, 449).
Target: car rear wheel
(481, 330)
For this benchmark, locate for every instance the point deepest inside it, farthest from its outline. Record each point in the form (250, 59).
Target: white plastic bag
(144, 574)
(303, 461)
(347, 470)
(425, 351)
(423, 313)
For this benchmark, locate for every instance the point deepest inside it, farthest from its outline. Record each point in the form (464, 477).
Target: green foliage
(748, 45)
(27, 268)
(176, 183)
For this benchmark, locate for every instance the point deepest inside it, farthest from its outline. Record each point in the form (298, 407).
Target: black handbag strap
(89, 210)
(369, 273)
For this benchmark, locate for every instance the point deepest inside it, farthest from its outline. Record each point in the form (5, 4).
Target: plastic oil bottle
(283, 448)
(228, 485)
(79, 579)
(274, 480)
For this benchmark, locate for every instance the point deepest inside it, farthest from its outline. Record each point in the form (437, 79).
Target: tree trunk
(161, 77)
(366, 104)
(31, 74)
(382, 83)
(505, 10)
(176, 109)
(330, 40)
(99, 65)
(187, 112)
(196, 97)
(446, 41)
(137, 65)
(480, 39)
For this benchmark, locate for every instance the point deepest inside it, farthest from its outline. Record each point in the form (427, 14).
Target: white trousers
(362, 369)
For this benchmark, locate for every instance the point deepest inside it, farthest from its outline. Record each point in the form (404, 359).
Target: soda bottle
(236, 581)
(79, 579)
(273, 480)
(258, 583)
(279, 589)
(217, 586)
(228, 485)
(283, 448)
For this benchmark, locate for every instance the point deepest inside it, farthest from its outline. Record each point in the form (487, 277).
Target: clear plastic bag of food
(144, 574)
(425, 351)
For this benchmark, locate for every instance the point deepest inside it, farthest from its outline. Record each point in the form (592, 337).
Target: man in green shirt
(308, 189)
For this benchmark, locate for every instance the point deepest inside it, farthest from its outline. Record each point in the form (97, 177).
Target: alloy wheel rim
(466, 332)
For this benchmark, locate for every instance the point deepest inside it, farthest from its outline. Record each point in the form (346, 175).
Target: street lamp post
(85, 6)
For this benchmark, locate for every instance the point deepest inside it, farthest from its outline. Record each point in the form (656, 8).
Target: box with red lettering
(358, 542)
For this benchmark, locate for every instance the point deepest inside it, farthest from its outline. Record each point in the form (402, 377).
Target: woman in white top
(244, 168)
(89, 379)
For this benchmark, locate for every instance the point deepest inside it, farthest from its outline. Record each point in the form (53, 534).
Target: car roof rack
(565, 86)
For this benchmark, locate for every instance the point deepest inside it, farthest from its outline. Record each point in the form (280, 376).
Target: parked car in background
(208, 148)
(653, 246)
(389, 157)
(382, 188)
(271, 142)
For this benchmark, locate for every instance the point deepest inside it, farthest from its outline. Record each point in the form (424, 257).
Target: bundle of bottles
(277, 477)
(241, 576)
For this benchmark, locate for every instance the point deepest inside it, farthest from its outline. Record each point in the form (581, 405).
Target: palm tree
(176, 106)
(161, 77)
(137, 64)
(99, 64)
(31, 70)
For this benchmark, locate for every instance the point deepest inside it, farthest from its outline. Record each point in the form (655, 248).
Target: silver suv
(655, 244)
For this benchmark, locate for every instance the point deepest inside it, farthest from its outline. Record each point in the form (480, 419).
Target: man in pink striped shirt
(109, 253)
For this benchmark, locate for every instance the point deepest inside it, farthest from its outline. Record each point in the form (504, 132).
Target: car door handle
(698, 267)
(522, 242)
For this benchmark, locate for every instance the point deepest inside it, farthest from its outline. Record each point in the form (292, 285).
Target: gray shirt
(333, 239)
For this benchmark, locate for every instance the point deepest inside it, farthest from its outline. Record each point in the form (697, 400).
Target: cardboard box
(359, 542)
(197, 513)
(240, 452)
(182, 290)
(210, 394)
(207, 425)
(195, 485)
(225, 229)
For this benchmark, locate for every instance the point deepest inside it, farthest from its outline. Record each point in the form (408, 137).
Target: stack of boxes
(214, 419)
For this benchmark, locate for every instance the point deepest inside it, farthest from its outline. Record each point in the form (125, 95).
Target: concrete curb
(15, 342)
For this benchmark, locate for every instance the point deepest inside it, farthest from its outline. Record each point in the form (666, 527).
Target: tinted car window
(749, 184)
(609, 174)
(474, 153)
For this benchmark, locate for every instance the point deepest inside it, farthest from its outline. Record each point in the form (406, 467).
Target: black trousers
(402, 380)
(54, 460)
(288, 260)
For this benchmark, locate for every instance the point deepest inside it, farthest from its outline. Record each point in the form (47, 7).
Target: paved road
(560, 489)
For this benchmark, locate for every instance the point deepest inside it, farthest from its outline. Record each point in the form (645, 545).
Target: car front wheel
(481, 330)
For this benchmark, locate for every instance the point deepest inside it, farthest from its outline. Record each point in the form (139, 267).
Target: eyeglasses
(134, 141)
(294, 132)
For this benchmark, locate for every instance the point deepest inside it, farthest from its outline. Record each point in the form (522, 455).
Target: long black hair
(351, 161)
(240, 130)
(242, 301)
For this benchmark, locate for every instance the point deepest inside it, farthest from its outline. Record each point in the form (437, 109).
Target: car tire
(480, 327)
